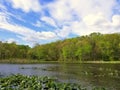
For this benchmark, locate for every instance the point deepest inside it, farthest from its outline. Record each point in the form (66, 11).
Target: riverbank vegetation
(22, 82)
(93, 47)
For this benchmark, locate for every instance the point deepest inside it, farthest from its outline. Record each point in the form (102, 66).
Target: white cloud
(116, 20)
(93, 19)
(96, 23)
(3, 17)
(64, 32)
(10, 40)
(91, 23)
(24, 32)
(64, 9)
(80, 17)
(26, 5)
(83, 17)
(59, 10)
(49, 21)
(4, 10)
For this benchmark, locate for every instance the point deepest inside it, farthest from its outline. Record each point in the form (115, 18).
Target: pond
(88, 75)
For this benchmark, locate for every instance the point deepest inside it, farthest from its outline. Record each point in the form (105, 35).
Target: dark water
(88, 75)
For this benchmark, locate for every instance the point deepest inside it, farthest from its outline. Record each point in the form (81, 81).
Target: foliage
(96, 46)
(8, 51)
(22, 82)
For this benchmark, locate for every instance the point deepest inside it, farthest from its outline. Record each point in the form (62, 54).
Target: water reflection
(88, 75)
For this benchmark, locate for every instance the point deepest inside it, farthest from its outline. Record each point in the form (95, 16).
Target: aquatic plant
(22, 82)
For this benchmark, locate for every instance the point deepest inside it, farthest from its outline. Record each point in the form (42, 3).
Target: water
(88, 75)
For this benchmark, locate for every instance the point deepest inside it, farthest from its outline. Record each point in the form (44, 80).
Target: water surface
(88, 75)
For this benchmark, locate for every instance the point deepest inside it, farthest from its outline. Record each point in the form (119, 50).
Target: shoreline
(27, 61)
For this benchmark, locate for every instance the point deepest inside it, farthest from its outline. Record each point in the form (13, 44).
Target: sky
(43, 21)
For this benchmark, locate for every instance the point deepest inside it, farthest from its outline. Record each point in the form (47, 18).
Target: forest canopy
(96, 46)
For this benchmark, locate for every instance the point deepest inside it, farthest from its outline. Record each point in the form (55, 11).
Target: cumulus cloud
(83, 17)
(116, 20)
(91, 23)
(26, 5)
(94, 19)
(63, 32)
(80, 17)
(59, 10)
(96, 23)
(24, 32)
(65, 10)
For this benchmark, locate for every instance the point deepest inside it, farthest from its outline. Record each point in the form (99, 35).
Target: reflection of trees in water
(105, 75)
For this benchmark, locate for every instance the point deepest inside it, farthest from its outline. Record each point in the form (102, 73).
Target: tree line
(12, 50)
(96, 46)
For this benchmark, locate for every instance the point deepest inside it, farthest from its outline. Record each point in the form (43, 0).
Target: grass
(25, 61)
(28, 61)
(109, 62)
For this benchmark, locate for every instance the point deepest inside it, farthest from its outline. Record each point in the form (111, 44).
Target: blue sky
(42, 21)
